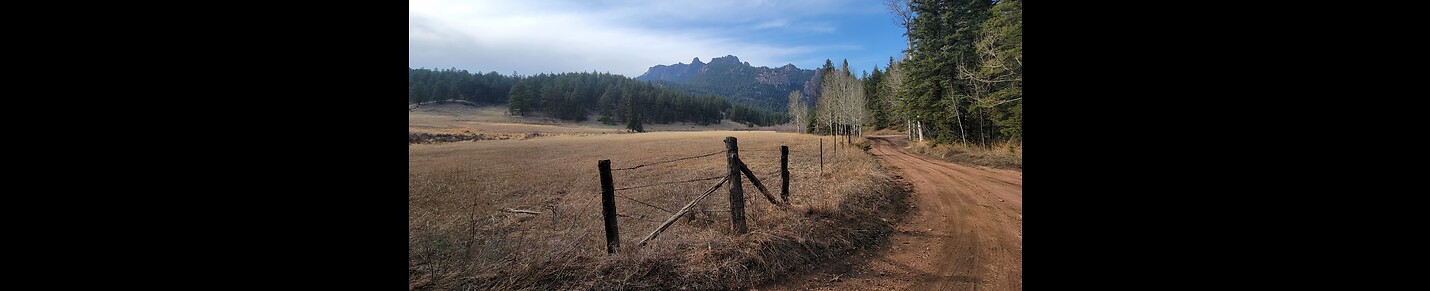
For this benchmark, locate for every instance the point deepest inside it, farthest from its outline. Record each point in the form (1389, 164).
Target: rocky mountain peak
(736, 80)
(727, 59)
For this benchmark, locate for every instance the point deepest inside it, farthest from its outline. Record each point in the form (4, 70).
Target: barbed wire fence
(580, 237)
(669, 161)
(735, 169)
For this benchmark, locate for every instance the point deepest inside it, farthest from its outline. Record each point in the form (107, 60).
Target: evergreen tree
(942, 34)
(633, 117)
(519, 99)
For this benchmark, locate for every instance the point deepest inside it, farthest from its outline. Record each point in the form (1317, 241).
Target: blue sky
(628, 36)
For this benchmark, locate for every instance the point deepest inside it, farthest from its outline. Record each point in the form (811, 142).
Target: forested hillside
(618, 99)
(760, 87)
(615, 99)
(425, 85)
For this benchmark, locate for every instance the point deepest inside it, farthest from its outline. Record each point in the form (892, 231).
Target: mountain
(760, 87)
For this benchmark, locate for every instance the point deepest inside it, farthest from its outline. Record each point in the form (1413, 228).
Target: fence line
(669, 183)
(662, 162)
(735, 167)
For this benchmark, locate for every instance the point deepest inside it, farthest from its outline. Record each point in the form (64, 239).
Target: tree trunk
(958, 116)
(921, 130)
(988, 125)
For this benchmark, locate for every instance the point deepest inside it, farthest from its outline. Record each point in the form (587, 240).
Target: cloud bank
(621, 37)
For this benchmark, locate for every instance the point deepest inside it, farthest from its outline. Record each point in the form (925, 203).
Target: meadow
(462, 234)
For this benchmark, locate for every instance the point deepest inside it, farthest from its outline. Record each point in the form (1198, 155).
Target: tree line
(738, 83)
(616, 99)
(961, 80)
(427, 85)
(842, 105)
(753, 94)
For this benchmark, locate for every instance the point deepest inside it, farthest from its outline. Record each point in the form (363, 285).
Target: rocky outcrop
(736, 80)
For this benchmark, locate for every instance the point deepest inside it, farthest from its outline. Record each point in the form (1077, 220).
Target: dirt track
(965, 231)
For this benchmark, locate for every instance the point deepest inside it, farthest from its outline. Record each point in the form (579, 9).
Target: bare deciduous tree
(993, 72)
(842, 102)
(903, 16)
(798, 112)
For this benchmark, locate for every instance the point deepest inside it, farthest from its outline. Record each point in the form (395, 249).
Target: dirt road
(965, 231)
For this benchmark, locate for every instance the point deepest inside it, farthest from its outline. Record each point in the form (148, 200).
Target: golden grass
(1002, 155)
(494, 121)
(458, 238)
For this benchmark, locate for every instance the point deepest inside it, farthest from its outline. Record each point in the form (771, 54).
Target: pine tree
(520, 96)
(633, 117)
(942, 35)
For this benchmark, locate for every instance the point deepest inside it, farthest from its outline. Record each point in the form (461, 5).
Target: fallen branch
(682, 211)
(521, 211)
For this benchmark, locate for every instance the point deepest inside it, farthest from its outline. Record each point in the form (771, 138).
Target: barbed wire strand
(636, 218)
(646, 204)
(589, 205)
(675, 160)
(668, 183)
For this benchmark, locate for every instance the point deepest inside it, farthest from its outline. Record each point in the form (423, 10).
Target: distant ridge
(727, 76)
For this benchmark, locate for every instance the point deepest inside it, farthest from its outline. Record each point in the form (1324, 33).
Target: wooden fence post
(608, 207)
(821, 156)
(737, 192)
(784, 173)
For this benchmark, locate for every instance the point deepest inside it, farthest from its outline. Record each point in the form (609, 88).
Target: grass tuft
(1001, 155)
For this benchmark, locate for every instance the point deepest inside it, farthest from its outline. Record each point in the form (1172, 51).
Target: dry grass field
(493, 121)
(458, 237)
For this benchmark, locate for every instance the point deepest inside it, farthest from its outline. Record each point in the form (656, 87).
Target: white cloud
(777, 23)
(621, 37)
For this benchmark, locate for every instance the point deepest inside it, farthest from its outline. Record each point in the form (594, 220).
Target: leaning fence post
(608, 207)
(737, 193)
(756, 180)
(784, 173)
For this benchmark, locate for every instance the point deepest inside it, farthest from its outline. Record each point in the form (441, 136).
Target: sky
(627, 37)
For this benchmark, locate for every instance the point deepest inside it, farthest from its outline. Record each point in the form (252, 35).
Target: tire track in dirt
(965, 231)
